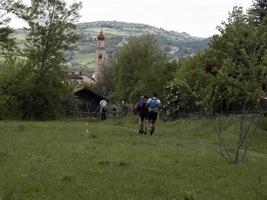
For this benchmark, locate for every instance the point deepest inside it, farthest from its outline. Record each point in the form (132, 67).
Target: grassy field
(61, 160)
(85, 59)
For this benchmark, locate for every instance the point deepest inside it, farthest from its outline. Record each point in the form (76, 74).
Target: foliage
(9, 83)
(180, 98)
(259, 10)
(52, 32)
(140, 67)
(7, 43)
(40, 90)
(230, 74)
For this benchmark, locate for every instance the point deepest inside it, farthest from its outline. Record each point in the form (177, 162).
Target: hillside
(175, 44)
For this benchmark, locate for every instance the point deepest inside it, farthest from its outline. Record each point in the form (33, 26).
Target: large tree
(230, 75)
(51, 32)
(140, 68)
(241, 47)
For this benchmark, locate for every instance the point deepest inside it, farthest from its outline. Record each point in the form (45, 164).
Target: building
(100, 65)
(80, 78)
(122, 43)
(101, 58)
(89, 100)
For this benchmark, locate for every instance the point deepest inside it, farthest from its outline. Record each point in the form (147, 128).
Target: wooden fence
(121, 111)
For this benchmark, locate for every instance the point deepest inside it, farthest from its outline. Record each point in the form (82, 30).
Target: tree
(183, 91)
(259, 10)
(8, 67)
(42, 91)
(52, 32)
(241, 47)
(140, 68)
(230, 74)
(7, 43)
(9, 89)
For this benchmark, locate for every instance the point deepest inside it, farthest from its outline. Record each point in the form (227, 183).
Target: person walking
(141, 107)
(103, 108)
(154, 106)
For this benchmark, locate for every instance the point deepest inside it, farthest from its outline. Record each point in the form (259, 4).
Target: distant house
(79, 78)
(122, 43)
(89, 99)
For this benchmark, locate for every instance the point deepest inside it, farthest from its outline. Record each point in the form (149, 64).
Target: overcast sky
(196, 17)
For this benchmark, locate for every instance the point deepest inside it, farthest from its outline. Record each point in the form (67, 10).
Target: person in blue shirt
(154, 106)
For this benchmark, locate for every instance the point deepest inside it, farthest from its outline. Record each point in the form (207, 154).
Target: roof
(91, 78)
(101, 36)
(75, 76)
(86, 93)
(82, 77)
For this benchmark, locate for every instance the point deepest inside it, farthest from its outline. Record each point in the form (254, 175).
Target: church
(101, 58)
(101, 62)
(88, 98)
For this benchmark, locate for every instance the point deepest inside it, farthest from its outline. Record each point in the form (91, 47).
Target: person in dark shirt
(141, 107)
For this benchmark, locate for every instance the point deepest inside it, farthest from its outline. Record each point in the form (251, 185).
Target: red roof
(101, 36)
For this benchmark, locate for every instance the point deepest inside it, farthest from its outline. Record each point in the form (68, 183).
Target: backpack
(141, 105)
(153, 103)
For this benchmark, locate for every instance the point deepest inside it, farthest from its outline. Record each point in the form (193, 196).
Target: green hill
(176, 45)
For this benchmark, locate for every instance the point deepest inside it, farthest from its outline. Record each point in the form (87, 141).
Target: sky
(195, 17)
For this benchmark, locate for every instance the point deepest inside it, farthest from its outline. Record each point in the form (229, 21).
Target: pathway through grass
(61, 160)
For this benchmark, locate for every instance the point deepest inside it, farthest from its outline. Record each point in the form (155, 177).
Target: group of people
(147, 110)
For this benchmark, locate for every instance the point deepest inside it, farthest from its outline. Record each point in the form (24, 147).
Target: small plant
(122, 164)
(235, 134)
(66, 178)
(189, 195)
(104, 162)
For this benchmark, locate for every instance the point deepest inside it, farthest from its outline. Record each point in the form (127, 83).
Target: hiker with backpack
(141, 107)
(154, 106)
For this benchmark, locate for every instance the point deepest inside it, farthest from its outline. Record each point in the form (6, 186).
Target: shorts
(143, 115)
(152, 116)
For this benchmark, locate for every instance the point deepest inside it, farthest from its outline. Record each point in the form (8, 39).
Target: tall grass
(110, 160)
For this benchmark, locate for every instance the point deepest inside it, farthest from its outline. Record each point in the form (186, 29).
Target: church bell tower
(100, 57)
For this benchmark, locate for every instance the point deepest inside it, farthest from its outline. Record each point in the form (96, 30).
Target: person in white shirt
(154, 106)
(103, 110)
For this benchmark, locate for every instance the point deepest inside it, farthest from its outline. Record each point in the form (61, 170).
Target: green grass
(84, 59)
(263, 123)
(61, 160)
